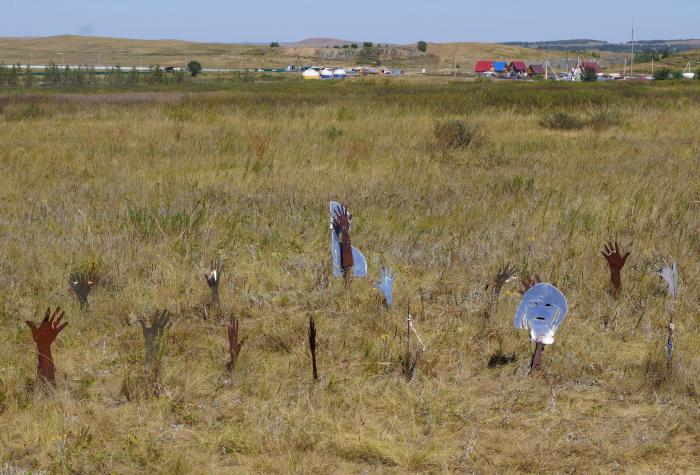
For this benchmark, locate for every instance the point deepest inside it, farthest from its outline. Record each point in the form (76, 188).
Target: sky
(391, 21)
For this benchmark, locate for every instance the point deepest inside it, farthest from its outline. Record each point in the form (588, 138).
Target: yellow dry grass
(150, 188)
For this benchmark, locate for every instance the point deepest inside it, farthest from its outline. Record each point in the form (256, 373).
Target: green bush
(589, 75)
(194, 67)
(453, 134)
(561, 121)
(422, 46)
(662, 74)
(604, 118)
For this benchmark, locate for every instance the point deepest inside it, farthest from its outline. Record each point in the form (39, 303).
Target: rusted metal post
(536, 357)
(312, 347)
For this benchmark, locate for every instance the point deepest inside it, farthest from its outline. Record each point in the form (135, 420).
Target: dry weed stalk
(44, 335)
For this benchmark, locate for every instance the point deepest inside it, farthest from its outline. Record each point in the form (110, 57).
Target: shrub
(561, 121)
(194, 67)
(677, 75)
(453, 134)
(367, 44)
(662, 74)
(333, 132)
(275, 44)
(603, 118)
(353, 46)
(422, 46)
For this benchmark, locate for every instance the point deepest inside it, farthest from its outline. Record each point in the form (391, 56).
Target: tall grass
(153, 185)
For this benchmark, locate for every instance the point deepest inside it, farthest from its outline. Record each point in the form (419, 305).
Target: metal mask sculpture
(346, 258)
(541, 311)
(386, 286)
(44, 335)
(670, 275)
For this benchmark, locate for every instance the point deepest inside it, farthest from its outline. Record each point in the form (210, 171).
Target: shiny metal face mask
(359, 268)
(541, 311)
(386, 286)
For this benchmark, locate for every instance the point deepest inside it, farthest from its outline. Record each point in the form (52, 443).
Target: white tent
(326, 74)
(310, 74)
(339, 73)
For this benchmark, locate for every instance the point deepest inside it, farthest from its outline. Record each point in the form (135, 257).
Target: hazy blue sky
(372, 20)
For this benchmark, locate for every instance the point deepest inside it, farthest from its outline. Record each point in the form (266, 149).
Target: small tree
(353, 46)
(697, 74)
(28, 77)
(274, 44)
(367, 44)
(589, 75)
(422, 46)
(677, 75)
(194, 67)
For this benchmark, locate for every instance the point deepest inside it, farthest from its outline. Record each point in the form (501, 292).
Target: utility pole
(453, 64)
(632, 61)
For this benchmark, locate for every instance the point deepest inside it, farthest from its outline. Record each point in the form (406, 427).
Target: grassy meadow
(146, 186)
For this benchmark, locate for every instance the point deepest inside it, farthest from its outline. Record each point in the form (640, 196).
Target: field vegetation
(447, 182)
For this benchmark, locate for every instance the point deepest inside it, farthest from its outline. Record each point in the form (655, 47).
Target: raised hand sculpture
(44, 335)
(670, 275)
(235, 342)
(81, 284)
(153, 336)
(346, 258)
(213, 278)
(541, 311)
(616, 261)
(527, 282)
(386, 286)
(504, 275)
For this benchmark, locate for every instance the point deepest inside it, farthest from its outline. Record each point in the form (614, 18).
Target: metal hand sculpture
(44, 335)
(345, 257)
(235, 343)
(616, 261)
(213, 278)
(527, 282)
(386, 286)
(504, 275)
(153, 336)
(81, 284)
(670, 275)
(312, 347)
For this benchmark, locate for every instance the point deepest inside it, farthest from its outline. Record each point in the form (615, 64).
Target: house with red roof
(588, 65)
(535, 70)
(483, 67)
(517, 67)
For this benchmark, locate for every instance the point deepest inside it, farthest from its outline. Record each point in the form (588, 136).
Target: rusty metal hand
(616, 261)
(526, 282)
(44, 335)
(213, 278)
(235, 343)
(81, 284)
(502, 276)
(341, 225)
(153, 335)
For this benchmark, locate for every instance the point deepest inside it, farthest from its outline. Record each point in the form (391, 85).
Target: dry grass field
(146, 187)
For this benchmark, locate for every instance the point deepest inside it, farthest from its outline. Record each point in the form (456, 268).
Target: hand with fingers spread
(81, 284)
(503, 275)
(386, 286)
(341, 225)
(44, 335)
(670, 275)
(616, 261)
(527, 282)
(213, 278)
(235, 342)
(153, 335)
